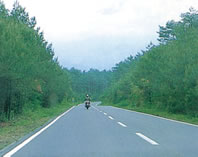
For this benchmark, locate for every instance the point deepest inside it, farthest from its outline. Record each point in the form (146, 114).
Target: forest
(30, 74)
(162, 76)
(28, 70)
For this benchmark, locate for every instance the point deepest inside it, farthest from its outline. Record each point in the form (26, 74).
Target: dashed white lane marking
(147, 139)
(105, 113)
(111, 118)
(95, 108)
(9, 154)
(122, 124)
(176, 121)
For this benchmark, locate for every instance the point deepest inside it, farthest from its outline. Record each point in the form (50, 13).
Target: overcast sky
(100, 33)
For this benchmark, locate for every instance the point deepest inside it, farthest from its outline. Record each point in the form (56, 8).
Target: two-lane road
(104, 131)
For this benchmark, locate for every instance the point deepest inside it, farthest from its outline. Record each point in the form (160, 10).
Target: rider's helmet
(87, 95)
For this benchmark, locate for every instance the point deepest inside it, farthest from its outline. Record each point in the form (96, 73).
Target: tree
(29, 73)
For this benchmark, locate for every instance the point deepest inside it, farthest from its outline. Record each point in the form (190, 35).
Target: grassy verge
(30, 120)
(160, 113)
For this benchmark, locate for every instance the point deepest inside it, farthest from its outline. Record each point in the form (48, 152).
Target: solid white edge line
(122, 124)
(9, 154)
(147, 139)
(111, 118)
(176, 121)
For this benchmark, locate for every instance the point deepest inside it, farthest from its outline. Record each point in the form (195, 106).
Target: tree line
(92, 82)
(163, 76)
(29, 72)
(30, 75)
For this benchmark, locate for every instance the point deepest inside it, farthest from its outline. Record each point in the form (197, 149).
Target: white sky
(100, 33)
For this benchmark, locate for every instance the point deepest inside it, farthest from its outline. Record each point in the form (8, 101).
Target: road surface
(105, 131)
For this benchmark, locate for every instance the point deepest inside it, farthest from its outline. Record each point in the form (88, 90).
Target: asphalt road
(104, 131)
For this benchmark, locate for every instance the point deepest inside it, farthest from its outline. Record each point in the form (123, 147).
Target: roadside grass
(157, 112)
(13, 130)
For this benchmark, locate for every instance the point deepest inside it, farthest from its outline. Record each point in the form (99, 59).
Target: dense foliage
(92, 82)
(164, 76)
(30, 75)
(28, 70)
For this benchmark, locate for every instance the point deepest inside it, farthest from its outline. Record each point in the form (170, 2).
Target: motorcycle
(87, 104)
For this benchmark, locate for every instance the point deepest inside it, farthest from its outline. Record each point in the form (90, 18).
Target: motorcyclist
(87, 98)
(87, 101)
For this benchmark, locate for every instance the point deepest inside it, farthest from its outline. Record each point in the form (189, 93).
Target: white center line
(105, 113)
(122, 124)
(147, 139)
(95, 108)
(111, 118)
